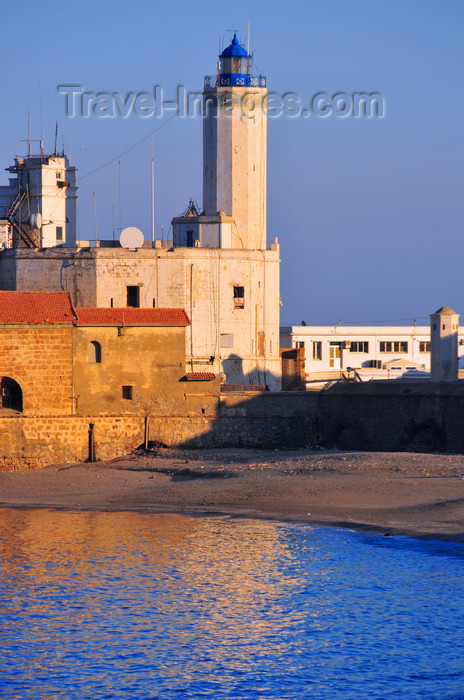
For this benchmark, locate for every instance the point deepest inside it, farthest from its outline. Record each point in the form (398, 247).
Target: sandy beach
(421, 495)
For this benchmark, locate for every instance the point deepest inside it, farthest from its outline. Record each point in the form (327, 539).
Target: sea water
(129, 605)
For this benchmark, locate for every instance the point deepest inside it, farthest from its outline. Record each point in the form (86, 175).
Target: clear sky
(368, 212)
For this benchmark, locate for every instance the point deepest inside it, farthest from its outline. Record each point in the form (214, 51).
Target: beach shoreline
(413, 494)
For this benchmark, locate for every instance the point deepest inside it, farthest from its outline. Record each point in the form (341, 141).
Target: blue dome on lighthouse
(235, 69)
(234, 49)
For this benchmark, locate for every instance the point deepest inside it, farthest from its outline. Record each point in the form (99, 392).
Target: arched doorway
(11, 394)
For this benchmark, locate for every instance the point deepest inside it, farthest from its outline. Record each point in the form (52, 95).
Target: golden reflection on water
(224, 571)
(99, 605)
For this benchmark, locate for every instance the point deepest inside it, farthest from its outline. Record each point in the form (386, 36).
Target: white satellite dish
(35, 220)
(131, 238)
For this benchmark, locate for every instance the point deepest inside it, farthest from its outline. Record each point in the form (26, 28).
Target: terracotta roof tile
(36, 307)
(56, 307)
(131, 317)
(199, 376)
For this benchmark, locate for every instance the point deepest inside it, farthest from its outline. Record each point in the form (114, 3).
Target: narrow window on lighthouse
(239, 297)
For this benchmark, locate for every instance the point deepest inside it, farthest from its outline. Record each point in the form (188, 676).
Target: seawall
(404, 417)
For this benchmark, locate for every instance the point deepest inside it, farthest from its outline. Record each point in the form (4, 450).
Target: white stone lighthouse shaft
(234, 161)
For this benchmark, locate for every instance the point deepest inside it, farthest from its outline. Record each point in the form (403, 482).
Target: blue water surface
(128, 605)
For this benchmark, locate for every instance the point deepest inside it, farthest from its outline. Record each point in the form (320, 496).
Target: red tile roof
(199, 376)
(36, 307)
(56, 307)
(131, 317)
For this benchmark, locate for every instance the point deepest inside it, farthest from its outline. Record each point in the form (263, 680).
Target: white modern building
(375, 352)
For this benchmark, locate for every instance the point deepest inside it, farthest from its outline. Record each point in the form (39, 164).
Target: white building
(219, 268)
(375, 352)
(38, 206)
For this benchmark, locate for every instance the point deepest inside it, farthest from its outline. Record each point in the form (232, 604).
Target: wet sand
(420, 495)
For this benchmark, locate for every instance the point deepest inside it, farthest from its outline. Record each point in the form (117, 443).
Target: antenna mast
(119, 194)
(41, 127)
(56, 137)
(112, 204)
(29, 130)
(152, 193)
(95, 217)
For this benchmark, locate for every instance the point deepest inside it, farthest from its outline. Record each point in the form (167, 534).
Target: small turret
(444, 326)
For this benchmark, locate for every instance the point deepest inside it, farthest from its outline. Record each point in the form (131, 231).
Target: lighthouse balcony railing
(239, 80)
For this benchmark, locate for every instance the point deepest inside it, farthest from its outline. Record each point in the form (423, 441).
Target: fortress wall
(395, 422)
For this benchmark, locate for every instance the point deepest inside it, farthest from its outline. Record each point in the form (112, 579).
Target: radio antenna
(56, 137)
(29, 130)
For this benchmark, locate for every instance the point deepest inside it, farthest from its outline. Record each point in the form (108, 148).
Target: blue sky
(369, 213)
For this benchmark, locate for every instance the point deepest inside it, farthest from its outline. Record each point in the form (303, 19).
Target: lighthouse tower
(231, 282)
(234, 148)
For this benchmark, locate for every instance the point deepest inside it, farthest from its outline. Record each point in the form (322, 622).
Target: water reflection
(135, 605)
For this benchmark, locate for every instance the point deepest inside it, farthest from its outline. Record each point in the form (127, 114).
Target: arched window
(10, 394)
(94, 352)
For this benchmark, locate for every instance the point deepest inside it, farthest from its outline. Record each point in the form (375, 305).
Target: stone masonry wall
(421, 422)
(38, 358)
(396, 422)
(30, 442)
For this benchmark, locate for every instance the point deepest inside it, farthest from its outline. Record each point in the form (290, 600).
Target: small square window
(127, 392)
(227, 340)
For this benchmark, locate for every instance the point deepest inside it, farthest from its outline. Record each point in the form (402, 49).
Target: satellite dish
(35, 220)
(131, 238)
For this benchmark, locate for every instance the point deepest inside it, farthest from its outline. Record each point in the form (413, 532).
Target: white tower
(39, 204)
(234, 148)
(444, 325)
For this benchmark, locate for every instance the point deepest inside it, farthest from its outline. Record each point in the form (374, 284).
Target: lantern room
(234, 65)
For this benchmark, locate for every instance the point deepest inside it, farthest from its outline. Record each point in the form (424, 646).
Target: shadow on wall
(412, 417)
(232, 367)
